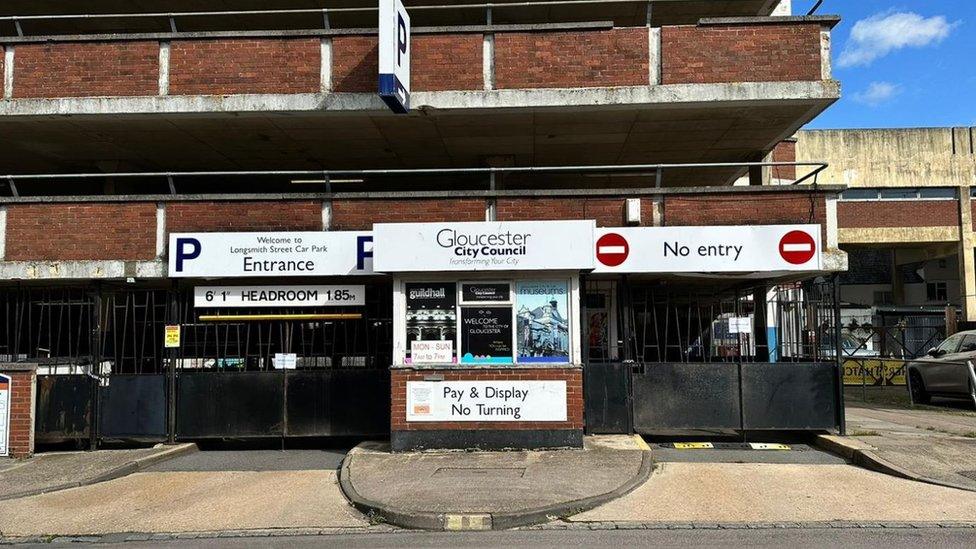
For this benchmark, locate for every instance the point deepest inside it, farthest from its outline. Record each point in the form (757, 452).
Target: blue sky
(908, 63)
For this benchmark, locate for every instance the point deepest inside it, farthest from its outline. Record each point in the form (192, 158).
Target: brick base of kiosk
(20, 430)
(487, 435)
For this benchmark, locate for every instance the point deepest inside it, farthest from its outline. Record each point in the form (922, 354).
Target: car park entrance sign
(714, 249)
(394, 52)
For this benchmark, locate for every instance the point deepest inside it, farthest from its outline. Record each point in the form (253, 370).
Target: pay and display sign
(394, 53)
(486, 401)
(336, 253)
(732, 249)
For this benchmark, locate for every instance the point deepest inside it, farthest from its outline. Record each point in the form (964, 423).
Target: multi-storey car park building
(213, 226)
(906, 223)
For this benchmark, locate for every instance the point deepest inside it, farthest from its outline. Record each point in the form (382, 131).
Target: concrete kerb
(863, 455)
(127, 468)
(497, 521)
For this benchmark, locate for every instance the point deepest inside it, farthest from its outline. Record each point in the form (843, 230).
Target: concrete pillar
(967, 261)
(897, 281)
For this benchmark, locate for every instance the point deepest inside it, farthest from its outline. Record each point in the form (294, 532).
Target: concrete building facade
(906, 217)
(136, 137)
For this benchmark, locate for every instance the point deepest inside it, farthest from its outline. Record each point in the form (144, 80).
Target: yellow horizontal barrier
(323, 316)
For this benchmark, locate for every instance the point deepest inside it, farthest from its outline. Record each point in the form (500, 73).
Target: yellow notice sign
(172, 336)
(693, 445)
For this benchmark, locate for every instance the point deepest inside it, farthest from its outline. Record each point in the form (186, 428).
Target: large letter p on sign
(186, 249)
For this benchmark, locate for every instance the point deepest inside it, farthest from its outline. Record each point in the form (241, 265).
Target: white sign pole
(6, 385)
(394, 55)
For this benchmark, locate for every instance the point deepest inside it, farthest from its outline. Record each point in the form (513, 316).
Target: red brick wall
(740, 53)
(21, 443)
(784, 152)
(572, 59)
(745, 209)
(361, 214)
(242, 65)
(608, 212)
(447, 62)
(293, 215)
(897, 213)
(355, 64)
(574, 397)
(78, 231)
(87, 69)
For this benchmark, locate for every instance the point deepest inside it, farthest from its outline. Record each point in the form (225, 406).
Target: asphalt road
(254, 460)
(847, 538)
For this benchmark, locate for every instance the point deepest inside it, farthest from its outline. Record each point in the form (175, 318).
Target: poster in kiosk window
(394, 55)
(486, 335)
(542, 328)
(431, 322)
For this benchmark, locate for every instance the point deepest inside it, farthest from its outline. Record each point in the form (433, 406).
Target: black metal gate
(104, 373)
(686, 362)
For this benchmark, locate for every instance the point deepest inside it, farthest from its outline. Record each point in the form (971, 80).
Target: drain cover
(968, 474)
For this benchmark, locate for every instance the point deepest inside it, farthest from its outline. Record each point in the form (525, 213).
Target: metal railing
(330, 176)
(325, 13)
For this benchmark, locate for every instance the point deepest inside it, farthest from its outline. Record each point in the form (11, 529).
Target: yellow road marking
(768, 446)
(693, 445)
(641, 444)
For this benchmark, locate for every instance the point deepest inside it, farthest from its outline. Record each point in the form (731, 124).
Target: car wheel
(919, 394)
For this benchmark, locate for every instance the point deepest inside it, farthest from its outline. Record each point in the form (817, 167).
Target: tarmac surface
(254, 460)
(59, 470)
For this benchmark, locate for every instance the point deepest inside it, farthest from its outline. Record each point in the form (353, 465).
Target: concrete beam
(819, 94)
(81, 270)
(897, 235)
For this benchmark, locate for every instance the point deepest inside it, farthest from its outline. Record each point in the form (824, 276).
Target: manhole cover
(971, 475)
(479, 472)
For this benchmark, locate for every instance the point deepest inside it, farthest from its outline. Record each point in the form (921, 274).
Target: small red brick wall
(447, 62)
(572, 59)
(21, 442)
(608, 212)
(78, 231)
(292, 215)
(574, 397)
(86, 69)
(746, 209)
(784, 152)
(241, 65)
(361, 214)
(355, 64)
(740, 53)
(897, 213)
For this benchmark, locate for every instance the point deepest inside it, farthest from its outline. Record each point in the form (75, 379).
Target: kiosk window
(431, 322)
(486, 335)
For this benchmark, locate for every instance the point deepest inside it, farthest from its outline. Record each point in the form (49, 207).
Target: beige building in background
(909, 200)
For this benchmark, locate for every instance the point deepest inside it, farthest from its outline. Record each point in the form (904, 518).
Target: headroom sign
(484, 246)
(335, 253)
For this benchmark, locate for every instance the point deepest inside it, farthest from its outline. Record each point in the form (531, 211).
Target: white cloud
(877, 93)
(886, 32)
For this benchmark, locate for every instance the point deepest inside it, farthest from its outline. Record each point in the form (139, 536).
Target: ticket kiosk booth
(487, 352)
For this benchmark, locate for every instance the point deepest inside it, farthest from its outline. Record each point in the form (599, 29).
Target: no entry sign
(612, 249)
(797, 247)
(708, 249)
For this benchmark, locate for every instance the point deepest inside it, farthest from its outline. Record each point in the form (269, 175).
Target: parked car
(945, 371)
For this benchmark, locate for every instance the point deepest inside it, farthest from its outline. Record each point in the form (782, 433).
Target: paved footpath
(937, 444)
